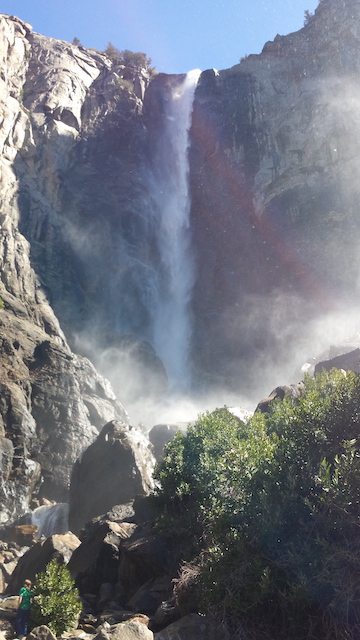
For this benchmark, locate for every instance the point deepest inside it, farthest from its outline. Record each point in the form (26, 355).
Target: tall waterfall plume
(171, 210)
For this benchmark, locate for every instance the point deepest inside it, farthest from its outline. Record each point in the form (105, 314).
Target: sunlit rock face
(274, 176)
(53, 403)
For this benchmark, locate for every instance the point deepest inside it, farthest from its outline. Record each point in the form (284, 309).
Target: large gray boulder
(159, 436)
(131, 630)
(146, 556)
(347, 361)
(41, 633)
(192, 627)
(279, 393)
(96, 559)
(112, 471)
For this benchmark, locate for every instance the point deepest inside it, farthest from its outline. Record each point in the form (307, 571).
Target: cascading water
(171, 209)
(51, 519)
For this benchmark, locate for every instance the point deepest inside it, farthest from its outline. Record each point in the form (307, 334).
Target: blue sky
(179, 35)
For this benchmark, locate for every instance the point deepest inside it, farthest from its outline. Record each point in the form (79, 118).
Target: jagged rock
(145, 556)
(347, 361)
(6, 628)
(131, 630)
(9, 607)
(24, 534)
(3, 581)
(166, 613)
(46, 392)
(294, 390)
(96, 559)
(192, 627)
(52, 403)
(148, 598)
(8, 568)
(41, 633)
(37, 557)
(116, 467)
(159, 436)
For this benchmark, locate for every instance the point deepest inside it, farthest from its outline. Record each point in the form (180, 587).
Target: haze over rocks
(273, 175)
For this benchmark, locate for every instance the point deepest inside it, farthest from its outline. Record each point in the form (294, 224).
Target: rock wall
(52, 403)
(275, 174)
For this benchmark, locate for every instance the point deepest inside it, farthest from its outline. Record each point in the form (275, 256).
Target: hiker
(23, 612)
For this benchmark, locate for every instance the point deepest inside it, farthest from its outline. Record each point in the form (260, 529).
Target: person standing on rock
(23, 612)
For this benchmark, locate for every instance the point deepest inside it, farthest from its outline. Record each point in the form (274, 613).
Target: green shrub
(205, 473)
(127, 58)
(275, 506)
(56, 602)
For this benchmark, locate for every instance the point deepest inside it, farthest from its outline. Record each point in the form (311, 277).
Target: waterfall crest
(171, 209)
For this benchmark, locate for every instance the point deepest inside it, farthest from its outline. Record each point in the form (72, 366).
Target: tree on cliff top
(128, 58)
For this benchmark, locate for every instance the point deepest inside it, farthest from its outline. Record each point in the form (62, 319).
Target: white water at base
(171, 205)
(51, 519)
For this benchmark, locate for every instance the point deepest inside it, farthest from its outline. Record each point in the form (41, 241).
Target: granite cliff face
(275, 198)
(274, 173)
(53, 402)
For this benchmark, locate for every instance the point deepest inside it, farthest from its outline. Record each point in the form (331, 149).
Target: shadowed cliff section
(274, 182)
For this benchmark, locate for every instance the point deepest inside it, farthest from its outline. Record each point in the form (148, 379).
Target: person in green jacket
(23, 612)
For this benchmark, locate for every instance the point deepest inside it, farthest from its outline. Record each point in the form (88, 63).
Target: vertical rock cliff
(273, 228)
(53, 403)
(275, 198)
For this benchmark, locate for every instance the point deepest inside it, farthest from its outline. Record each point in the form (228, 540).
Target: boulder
(96, 559)
(159, 436)
(3, 581)
(129, 630)
(8, 607)
(191, 627)
(150, 595)
(346, 361)
(37, 557)
(23, 534)
(145, 556)
(294, 390)
(112, 471)
(6, 629)
(166, 613)
(41, 633)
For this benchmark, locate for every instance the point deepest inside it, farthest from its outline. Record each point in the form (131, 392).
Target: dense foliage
(56, 604)
(274, 508)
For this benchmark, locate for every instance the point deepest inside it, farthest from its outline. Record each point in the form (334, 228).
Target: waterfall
(171, 210)
(51, 519)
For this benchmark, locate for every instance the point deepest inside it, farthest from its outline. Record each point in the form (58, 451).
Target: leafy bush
(275, 505)
(56, 604)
